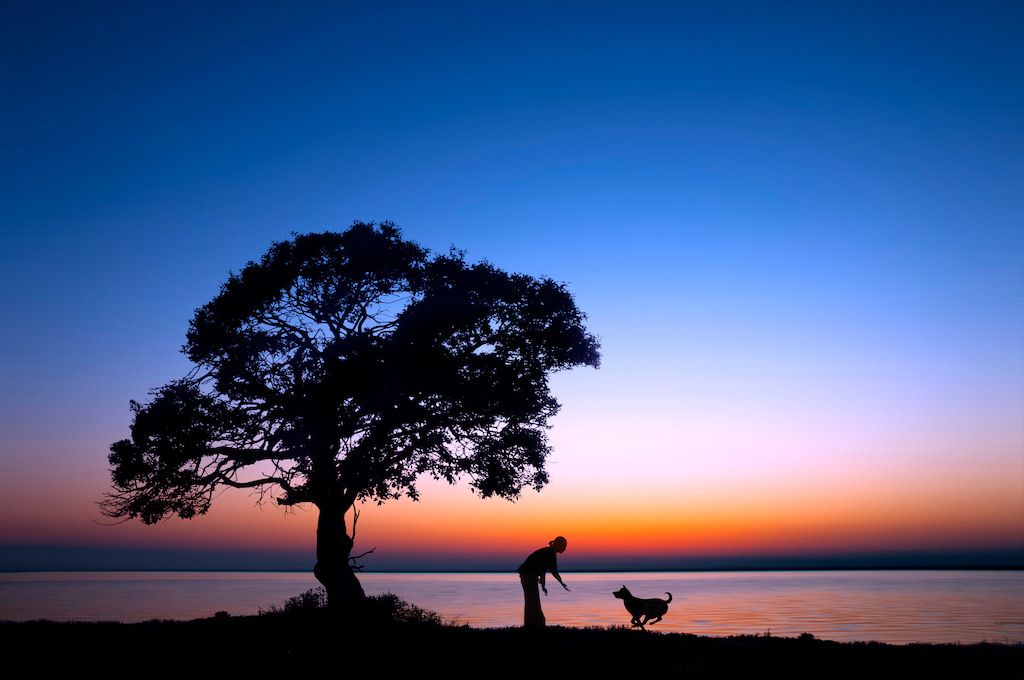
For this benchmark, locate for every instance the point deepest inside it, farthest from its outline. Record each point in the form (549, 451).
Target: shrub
(387, 607)
(311, 600)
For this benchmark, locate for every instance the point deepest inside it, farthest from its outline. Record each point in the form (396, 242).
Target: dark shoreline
(298, 644)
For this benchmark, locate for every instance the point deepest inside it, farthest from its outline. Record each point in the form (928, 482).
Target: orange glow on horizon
(950, 512)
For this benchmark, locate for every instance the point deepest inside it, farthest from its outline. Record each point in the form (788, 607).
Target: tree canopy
(342, 367)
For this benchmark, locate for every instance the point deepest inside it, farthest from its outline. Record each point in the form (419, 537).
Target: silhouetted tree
(339, 369)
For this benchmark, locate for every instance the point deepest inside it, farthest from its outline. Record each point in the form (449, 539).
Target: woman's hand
(565, 586)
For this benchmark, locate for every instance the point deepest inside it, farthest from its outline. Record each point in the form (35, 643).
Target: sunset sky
(797, 228)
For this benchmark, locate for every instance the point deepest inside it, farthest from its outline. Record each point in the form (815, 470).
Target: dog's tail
(669, 597)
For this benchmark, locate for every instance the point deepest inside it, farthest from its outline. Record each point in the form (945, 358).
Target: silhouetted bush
(387, 607)
(311, 600)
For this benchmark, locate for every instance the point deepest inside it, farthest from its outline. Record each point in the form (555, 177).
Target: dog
(650, 608)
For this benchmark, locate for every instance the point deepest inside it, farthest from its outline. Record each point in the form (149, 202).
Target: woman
(532, 572)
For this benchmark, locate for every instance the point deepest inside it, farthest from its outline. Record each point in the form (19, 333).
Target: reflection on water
(141, 596)
(888, 606)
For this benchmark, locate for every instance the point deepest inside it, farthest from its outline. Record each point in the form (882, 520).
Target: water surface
(888, 606)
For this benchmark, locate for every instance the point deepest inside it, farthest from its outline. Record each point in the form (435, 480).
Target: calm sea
(888, 606)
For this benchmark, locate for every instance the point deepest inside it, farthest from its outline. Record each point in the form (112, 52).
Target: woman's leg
(532, 615)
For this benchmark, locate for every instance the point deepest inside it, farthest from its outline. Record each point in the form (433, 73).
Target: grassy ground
(394, 639)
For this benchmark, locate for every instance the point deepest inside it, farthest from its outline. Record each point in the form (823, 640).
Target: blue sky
(798, 228)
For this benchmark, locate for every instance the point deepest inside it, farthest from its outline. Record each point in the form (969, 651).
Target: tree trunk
(333, 549)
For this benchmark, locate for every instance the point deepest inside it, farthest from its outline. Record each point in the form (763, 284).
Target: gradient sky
(798, 229)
